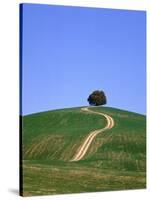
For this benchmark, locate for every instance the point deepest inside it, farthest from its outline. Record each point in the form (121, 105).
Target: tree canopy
(97, 98)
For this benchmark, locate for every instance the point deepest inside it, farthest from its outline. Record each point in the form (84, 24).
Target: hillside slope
(116, 158)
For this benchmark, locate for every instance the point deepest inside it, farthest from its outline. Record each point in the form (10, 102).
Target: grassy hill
(116, 159)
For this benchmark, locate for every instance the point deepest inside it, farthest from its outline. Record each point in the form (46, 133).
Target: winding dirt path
(88, 140)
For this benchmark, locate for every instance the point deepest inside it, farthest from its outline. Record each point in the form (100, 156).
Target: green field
(116, 159)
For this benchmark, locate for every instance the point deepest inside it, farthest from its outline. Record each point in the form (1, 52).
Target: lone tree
(97, 98)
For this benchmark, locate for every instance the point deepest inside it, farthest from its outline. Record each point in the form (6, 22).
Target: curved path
(88, 140)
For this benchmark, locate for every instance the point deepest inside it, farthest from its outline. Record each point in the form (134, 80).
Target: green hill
(115, 160)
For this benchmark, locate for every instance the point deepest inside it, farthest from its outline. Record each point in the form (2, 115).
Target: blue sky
(68, 52)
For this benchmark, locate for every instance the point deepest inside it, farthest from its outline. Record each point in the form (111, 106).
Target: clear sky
(68, 52)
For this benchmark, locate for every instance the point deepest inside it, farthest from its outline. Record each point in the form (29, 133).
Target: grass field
(116, 159)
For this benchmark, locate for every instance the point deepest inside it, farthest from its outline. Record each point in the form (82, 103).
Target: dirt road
(88, 140)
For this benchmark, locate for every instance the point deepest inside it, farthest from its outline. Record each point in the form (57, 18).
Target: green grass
(116, 160)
